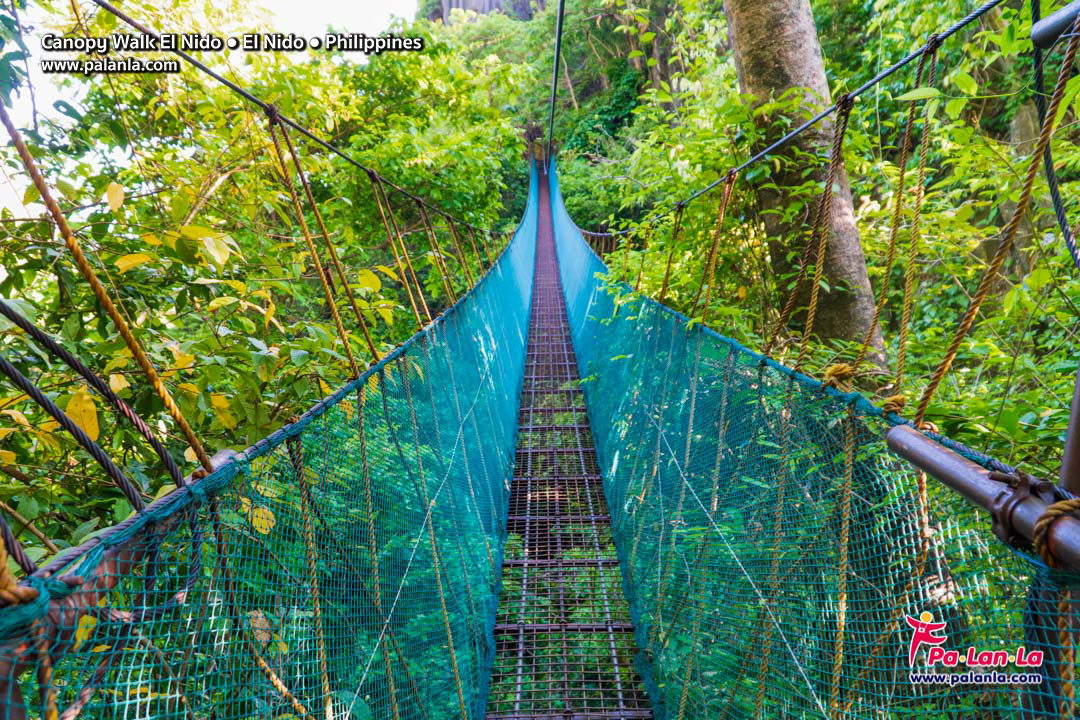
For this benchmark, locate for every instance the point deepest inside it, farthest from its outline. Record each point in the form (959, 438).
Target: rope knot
(845, 102)
(1041, 533)
(894, 404)
(272, 114)
(932, 43)
(838, 374)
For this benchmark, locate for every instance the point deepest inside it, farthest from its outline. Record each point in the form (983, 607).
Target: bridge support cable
(555, 78)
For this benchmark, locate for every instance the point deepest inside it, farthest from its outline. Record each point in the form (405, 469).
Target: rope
(373, 546)
(1009, 234)
(1048, 155)
(555, 77)
(930, 54)
(845, 535)
(895, 403)
(1040, 537)
(101, 293)
(476, 252)
(329, 244)
(641, 257)
(15, 549)
(92, 448)
(457, 249)
(436, 251)
(295, 448)
(675, 227)
(430, 522)
(824, 229)
(275, 122)
(707, 277)
(380, 199)
(98, 385)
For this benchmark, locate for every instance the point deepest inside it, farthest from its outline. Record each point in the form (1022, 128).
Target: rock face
(520, 9)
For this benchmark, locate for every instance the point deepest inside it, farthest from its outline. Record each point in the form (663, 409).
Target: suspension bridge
(614, 512)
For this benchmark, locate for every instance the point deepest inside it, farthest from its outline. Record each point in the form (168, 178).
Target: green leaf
(919, 93)
(126, 262)
(965, 82)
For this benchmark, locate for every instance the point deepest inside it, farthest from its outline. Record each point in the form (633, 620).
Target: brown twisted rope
(102, 295)
(929, 54)
(710, 262)
(329, 245)
(436, 252)
(675, 228)
(845, 535)
(844, 105)
(456, 237)
(1041, 537)
(1009, 233)
(344, 337)
(296, 455)
(381, 199)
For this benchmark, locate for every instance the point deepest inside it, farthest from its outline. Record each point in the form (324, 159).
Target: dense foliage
(174, 189)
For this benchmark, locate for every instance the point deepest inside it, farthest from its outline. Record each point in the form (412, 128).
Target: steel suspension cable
(141, 358)
(1048, 155)
(97, 384)
(555, 77)
(92, 448)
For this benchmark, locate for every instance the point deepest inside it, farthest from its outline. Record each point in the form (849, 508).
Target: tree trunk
(776, 50)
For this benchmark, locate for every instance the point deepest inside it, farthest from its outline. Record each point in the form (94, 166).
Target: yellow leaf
(151, 239)
(183, 359)
(83, 629)
(190, 456)
(741, 292)
(6, 456)
(143, 692)
(100, 648)
(114, 195)
(118, 382)
(189, 388)
(223, 411)
(16, 416)
(263, 520)
(4, 432)
(83, 412)
(282, 646)
(325, 388)
(220, 302)
(368, 280)
(125, 263)
(164, 490)
(271, 308)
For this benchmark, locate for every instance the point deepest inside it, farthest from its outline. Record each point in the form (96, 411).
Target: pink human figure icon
(923, 633)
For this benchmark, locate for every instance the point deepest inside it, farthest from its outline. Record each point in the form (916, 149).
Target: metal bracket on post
(1019, 487)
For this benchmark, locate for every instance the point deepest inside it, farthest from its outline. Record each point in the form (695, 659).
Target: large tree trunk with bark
(776, 50)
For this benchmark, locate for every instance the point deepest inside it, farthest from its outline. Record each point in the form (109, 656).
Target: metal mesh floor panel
(564, 642)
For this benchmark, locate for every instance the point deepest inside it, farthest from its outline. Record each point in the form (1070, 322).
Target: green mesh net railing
(345, 567)
(773, 550)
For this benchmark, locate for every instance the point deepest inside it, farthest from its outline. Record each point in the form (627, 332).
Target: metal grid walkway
(564, 642)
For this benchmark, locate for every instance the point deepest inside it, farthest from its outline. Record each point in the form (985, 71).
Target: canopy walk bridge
(612, 512)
